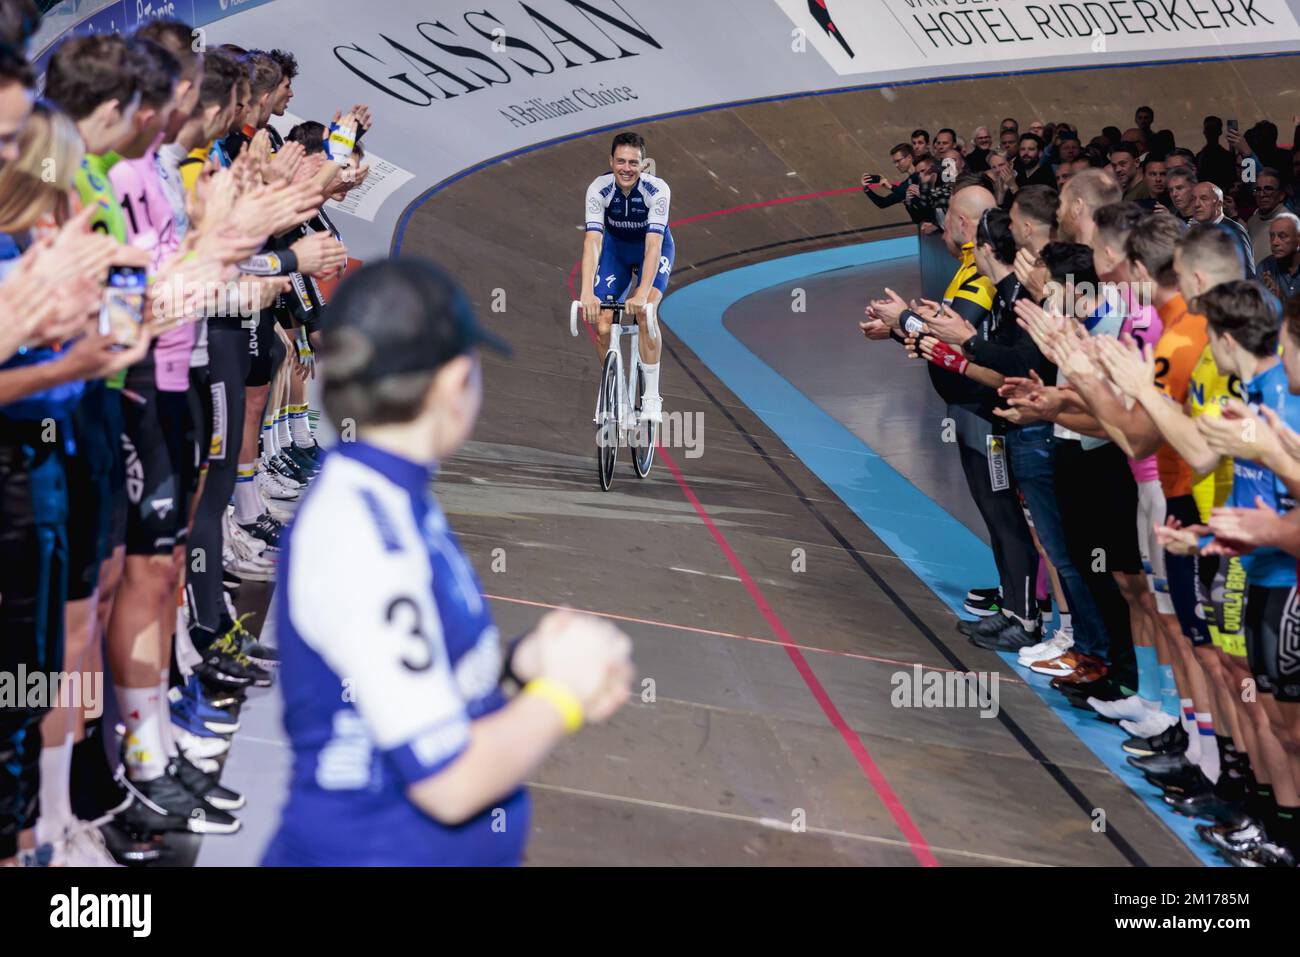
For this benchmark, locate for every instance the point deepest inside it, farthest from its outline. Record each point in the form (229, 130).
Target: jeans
(1032, 454)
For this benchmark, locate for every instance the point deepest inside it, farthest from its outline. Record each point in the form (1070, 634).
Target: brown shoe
(1087, 669)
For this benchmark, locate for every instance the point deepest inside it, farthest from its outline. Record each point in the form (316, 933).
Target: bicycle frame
(626, 385)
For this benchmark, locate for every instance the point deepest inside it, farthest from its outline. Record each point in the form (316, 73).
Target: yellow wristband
(564, 700)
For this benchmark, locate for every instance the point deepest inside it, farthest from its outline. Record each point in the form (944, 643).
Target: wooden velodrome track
(763, 693)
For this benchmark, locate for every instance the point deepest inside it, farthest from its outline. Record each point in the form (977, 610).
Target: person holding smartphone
(897, 190)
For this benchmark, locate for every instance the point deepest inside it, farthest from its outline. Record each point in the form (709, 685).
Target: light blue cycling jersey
(388, 653)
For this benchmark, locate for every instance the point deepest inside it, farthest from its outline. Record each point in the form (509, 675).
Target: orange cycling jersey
(1176, 355)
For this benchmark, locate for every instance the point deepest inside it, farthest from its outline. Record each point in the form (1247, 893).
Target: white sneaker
(1060, 642)
(1132, 708)
(250, 569)
(244, 543)
(195, 747)
(85, 847)
(1151, 725)
(274, 487)
(652, 408)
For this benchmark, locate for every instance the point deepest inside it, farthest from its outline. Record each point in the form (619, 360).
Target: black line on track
(1075, 793)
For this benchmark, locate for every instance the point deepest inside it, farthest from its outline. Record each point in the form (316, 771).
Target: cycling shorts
(620, 259)
(1273, 640)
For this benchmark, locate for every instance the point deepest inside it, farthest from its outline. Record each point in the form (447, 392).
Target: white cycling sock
(248, 504)
(651, 379)
(55, 791)
(146, 756)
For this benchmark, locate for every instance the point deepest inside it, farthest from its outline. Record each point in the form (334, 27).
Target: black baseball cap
(397, 316)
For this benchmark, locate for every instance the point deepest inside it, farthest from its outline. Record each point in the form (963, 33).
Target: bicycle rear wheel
(607, 424)
(645, 434)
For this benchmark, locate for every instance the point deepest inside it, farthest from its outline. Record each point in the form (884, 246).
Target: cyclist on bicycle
(627, 232)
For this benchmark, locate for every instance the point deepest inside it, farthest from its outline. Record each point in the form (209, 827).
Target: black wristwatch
(968, 347)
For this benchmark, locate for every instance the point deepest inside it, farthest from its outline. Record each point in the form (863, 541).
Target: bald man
(1207, 208)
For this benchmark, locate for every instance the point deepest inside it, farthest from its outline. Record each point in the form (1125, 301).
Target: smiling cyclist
(627, 232)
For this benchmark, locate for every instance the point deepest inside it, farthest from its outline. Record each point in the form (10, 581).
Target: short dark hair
(1145, 109)
(1117, 220)
(1182, 151)
(1247, 311)
(1151, 242)
(87, 71)
(1152, 157)
(19, 20)
(916, 133)
(1031, 136)
(1212, 246)
(1039, 203)
(221, 74)
(628, 138)
(156, 71)
(1072, 261)
(1069, 135)
(14, 67)
(287, 62)
(902, 148)
(310, 135)
(176, 38)
(1015, 123)
(1111, 134)
(950, 131)
(1124, 146)
(994, 230)
(263, 72)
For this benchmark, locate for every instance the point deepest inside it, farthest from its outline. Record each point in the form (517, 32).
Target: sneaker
(1066, 663)
(307, 463)
(272, 487)
(274, 466)
(207, 787)
(1232, 835)
(652, 409)
(1054, 647)
(292, 469)
(1184, 782)
(982, 602)
(1266, 853)
(165, 804)
(1131, 708)
(1012, 636)
(43, 855)
(185, 713)
(216, 711)
(85, 847)
(989, 625)
(1151, 725)
(225, 667)
(207, 746)
(1161, 763)
(1208, 805)
(263, 656)
(314, 453)
(266, 530)
(253, 569)
(1172, 740)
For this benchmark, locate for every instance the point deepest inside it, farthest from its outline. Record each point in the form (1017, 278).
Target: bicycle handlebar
(651, 316)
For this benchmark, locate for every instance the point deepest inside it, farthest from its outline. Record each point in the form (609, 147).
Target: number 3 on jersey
(402, 611)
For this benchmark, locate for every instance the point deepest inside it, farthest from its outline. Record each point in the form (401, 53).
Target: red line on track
(916, 841)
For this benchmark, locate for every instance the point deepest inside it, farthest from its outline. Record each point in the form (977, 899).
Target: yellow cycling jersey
(1208, 392)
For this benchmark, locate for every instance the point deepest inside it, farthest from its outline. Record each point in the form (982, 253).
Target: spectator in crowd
(1280, 270)
(1214, 163)
(1124, 163)
(1271, 201)
(1153, 176)
(920, 143)
(977, 160)
(1033, 217)
(1180, 183)
(1009, 143)
(901, 155)
(1143, 117)
(1031, 170)
(1207, 209)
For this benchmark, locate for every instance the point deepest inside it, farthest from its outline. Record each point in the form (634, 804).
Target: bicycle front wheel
(607, 425)
(646, 433)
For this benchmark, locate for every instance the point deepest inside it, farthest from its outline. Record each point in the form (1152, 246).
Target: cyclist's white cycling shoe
(652, 409)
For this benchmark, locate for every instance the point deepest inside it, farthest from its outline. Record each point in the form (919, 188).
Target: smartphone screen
(1232, 125)
(122, 312)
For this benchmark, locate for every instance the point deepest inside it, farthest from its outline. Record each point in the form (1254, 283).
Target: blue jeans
(1031, 452)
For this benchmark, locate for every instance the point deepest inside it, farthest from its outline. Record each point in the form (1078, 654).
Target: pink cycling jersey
(151, 225)
(1144, 325)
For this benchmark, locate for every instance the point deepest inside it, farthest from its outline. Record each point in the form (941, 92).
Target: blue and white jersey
(1268, 567)
(388, 652)
(628, 218)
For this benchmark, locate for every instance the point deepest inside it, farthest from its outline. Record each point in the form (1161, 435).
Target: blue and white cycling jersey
(624, 222)
(388, 652)
(628, 218)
